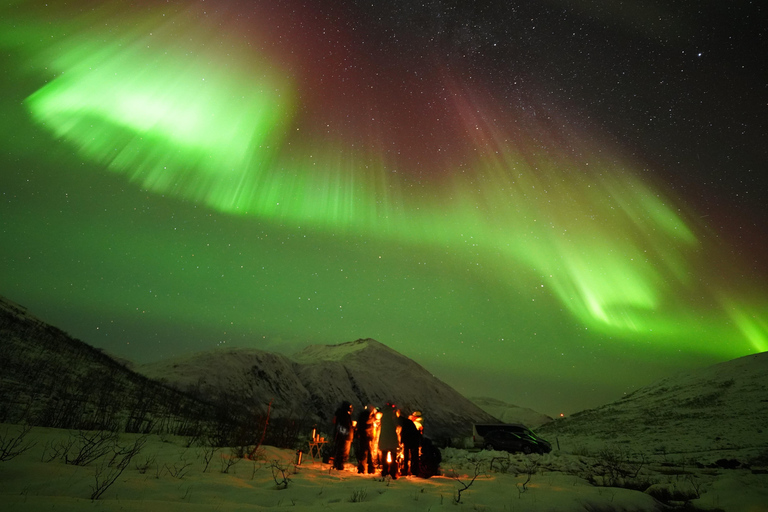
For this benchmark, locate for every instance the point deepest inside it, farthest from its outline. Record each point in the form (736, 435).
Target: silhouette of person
(376, 434)
(411, 438)
(429, 464)
(343, 433)
(389, 441)
(364, 439)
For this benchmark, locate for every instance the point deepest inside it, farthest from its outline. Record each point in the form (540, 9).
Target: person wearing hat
(417, 420)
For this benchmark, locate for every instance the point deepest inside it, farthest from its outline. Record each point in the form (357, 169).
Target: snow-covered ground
(693, 441)
(168, 475)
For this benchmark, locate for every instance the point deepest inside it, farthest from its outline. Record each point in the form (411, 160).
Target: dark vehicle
(515, 438)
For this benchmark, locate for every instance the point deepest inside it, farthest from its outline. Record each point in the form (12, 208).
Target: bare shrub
(107, 473)
(618, 467)
(281, 472)
(131, 450)
(144, 465)
(227, 461)
(503, 464)
(179, 468)
(257, 465)
(530, 468)
(207, 452)
(467, 485)
(52, 451)
(88, 446)
(12, 444)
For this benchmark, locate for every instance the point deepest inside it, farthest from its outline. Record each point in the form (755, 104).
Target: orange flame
(389, 457)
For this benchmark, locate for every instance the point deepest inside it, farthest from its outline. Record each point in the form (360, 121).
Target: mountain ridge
(315, 380)
(717, 409)
(509, 413)
(54, 380)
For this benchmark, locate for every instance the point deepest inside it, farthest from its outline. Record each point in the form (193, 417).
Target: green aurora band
(180, 109)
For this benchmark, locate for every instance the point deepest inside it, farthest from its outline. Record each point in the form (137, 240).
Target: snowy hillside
(48, 378)
(721, 409)
(508, 413)
(692, 442)
(316, 380)
(255, 376)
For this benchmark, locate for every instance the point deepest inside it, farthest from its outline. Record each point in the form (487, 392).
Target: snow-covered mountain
(509, 413)
(718, 409)
(313, 382)
(51, 379)
(48, 378)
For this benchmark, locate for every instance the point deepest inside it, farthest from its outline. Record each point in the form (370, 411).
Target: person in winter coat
(411, 439)
(343, 433)
(429, 465)
(376, 434)
(364, 440)
(389, 441)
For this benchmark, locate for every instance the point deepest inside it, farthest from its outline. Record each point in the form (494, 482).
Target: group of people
(386, 438)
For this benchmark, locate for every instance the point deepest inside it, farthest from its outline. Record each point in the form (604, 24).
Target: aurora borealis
(548, 204)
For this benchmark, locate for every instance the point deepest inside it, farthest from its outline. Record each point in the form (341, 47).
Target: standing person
(411, 438)
(364, 440)
(343, 432)
(429, 465)
(389, 441)
(376, 435)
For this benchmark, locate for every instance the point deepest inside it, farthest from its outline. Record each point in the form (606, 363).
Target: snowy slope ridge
(313, 382)
(508, 413)
(51, 379)
(48, 378)
(717, 409)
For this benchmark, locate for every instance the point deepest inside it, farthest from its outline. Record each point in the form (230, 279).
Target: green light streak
(210, 122)
(749, 321)
(192, 121)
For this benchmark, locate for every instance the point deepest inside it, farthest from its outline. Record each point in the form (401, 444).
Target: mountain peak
(338, 352)
(314, 381)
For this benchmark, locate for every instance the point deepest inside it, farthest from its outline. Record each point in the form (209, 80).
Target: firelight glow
(272, 185)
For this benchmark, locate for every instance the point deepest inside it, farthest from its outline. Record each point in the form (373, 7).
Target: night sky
(551, 203)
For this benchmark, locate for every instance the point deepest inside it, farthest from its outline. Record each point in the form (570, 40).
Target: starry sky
(551, 203)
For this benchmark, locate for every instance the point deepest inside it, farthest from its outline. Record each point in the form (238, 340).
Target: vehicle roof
(500, 425)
